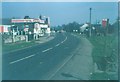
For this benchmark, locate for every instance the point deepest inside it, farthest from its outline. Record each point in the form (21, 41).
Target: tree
(71, 26)
(40, 17)
(26, 17)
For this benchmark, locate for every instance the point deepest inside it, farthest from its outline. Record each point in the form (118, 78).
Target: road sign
(105, 22)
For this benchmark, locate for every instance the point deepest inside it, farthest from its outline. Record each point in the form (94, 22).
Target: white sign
(21, 20)
(27, 21)
(37, 28)
(43, 26)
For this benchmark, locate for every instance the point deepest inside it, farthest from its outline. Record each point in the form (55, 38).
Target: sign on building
(27, 21)
(21, 20)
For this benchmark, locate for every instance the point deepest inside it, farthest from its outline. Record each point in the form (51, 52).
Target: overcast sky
(61, 12)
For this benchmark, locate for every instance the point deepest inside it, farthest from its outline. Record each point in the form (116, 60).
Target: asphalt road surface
(39, 62)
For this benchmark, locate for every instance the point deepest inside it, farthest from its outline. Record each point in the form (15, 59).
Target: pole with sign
(26, 34)
(105, 24)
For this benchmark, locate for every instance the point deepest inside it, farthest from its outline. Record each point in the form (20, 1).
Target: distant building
(34, 25)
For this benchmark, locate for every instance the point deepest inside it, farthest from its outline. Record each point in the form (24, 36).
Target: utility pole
(94, 64)
(90, 23)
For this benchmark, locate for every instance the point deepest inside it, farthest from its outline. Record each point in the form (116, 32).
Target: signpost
(26, 34)
(105, 23)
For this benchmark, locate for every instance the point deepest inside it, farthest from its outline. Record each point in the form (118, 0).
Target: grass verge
(105, 56)
(16, 46)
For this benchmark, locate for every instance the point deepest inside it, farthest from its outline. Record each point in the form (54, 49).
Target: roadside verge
(105, 57)
(23, 45)
(79, 65)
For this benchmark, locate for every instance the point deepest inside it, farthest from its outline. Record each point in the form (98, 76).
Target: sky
(60, 0)
(61, 12)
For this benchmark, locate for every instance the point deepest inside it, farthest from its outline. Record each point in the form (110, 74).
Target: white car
(41, 34)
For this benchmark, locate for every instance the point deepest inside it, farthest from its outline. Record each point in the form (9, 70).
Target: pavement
(44, 39)
(80, 64)
(17, 39)
(64, 57)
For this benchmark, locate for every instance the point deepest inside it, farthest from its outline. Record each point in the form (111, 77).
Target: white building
(38, 26)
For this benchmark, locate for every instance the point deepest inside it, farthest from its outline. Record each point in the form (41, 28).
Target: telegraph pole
(90, 23)
(90, 36)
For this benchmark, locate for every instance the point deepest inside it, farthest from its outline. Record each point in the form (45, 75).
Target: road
(39, 62)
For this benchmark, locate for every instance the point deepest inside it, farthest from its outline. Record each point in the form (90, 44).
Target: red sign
(104, 22)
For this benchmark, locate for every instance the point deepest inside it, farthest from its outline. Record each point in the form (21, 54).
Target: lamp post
(90, 23)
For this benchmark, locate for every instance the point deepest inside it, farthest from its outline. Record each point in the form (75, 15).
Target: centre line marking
(41, 62)
(64, 40)
(47, 50)
(61, 42)
(22, 59)
(57, 45)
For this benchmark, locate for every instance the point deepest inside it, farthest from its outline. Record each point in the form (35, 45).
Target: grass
(17, 45)
(99, 76)
(105, 47)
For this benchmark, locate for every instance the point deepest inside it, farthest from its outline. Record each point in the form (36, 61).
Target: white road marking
(57, 45)
(22, 59)
(61, 42)
(66, 47)
(61, 66)
(47, 50)
(41, 62)
(64, 40)
(91, 73)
